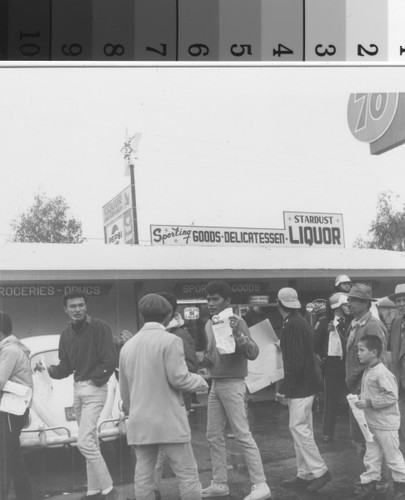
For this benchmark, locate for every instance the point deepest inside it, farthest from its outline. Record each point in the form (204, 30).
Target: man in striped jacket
(298, 388)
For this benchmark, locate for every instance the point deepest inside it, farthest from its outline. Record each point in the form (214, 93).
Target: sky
(221, 146)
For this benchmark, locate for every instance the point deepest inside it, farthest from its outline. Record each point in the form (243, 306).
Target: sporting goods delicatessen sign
(301, 229)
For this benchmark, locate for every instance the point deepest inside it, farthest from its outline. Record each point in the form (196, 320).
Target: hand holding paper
(223, 332)
(358, 414)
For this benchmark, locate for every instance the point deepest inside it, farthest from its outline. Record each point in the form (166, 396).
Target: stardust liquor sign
(301, 229)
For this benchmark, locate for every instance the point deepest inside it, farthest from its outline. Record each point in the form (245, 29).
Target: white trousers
(310, 464)
(385, 444)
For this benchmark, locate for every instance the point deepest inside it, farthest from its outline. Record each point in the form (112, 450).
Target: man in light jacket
(153, 373)
(364, 323)
(14, 367)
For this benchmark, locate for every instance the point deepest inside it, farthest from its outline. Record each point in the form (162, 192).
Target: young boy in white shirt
(379, 400)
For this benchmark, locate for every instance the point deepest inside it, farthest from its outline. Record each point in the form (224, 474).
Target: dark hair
(155, 317)
(171, 299)
(219, 287)
(74, 295)
(286, 309)
(372, 342)
(6, 325)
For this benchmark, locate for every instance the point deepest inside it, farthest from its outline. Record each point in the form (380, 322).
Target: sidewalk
(269, 424)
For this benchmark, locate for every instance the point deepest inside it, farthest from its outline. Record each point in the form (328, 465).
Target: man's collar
(87, 320)
(362, 321)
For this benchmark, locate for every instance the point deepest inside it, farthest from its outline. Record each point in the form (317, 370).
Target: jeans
(12, 464)
(88, 403)
(226, 401)
(385, 444)
(182, 462)
(310, 464)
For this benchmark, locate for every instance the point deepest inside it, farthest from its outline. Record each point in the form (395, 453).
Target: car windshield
(47, 357)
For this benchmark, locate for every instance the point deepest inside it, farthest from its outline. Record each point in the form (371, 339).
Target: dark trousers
(12, 464)
(335, 389)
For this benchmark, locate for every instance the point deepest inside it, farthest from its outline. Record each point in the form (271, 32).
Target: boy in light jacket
(379, 400)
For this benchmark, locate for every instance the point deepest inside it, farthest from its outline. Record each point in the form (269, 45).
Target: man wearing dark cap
(14, 367)
(363, 323)
(86, 349)
(397, 347)
(298, 389)
(153, 374)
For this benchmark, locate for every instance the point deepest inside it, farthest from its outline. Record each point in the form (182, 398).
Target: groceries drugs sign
(301, 229)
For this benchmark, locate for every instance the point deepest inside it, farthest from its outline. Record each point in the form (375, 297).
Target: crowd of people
(159, 370)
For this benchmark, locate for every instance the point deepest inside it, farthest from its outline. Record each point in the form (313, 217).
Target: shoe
(399, 491)
(327, 439)
(260, 491)
(319, 482)
(297, 482)
(215, 490)
(364, 491)
(111, 495)
(157, 496)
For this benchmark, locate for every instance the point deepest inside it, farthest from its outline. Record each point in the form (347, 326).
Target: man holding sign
(229, 346)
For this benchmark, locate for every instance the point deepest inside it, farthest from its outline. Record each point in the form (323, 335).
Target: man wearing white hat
(343, 283)
(330, 336)
(298, 388)
(397, 344)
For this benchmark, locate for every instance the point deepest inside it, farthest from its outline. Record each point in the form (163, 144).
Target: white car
(52, 421)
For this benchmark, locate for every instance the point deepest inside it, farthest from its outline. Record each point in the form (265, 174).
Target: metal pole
(134, 216)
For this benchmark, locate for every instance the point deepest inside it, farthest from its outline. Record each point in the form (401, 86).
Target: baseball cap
(289, 298)
(342, 278)
(337, 299)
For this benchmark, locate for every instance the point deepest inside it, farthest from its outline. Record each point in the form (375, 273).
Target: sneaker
(111, 495)
(319, 482)
(260, 491)
(215, 490)
(296, 482)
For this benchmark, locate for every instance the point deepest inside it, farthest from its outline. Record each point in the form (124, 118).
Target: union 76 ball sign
(378, 119)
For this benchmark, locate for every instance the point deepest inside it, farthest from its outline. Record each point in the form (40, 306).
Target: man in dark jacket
(298, 388)
(14, 367)
(330, 338)
(397, 348)
(86, 349)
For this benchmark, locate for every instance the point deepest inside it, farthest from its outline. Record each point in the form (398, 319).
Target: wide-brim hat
(362, 292)
(289, 298)
(399, 290)
(154, 304)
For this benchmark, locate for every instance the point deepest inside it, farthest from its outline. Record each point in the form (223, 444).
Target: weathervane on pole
(129, 150)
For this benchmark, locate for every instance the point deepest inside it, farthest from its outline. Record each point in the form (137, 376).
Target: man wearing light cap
(299, 387)
(397, 345)
(343, 283)
(153, 373)
(330, 336)
(363, 323)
